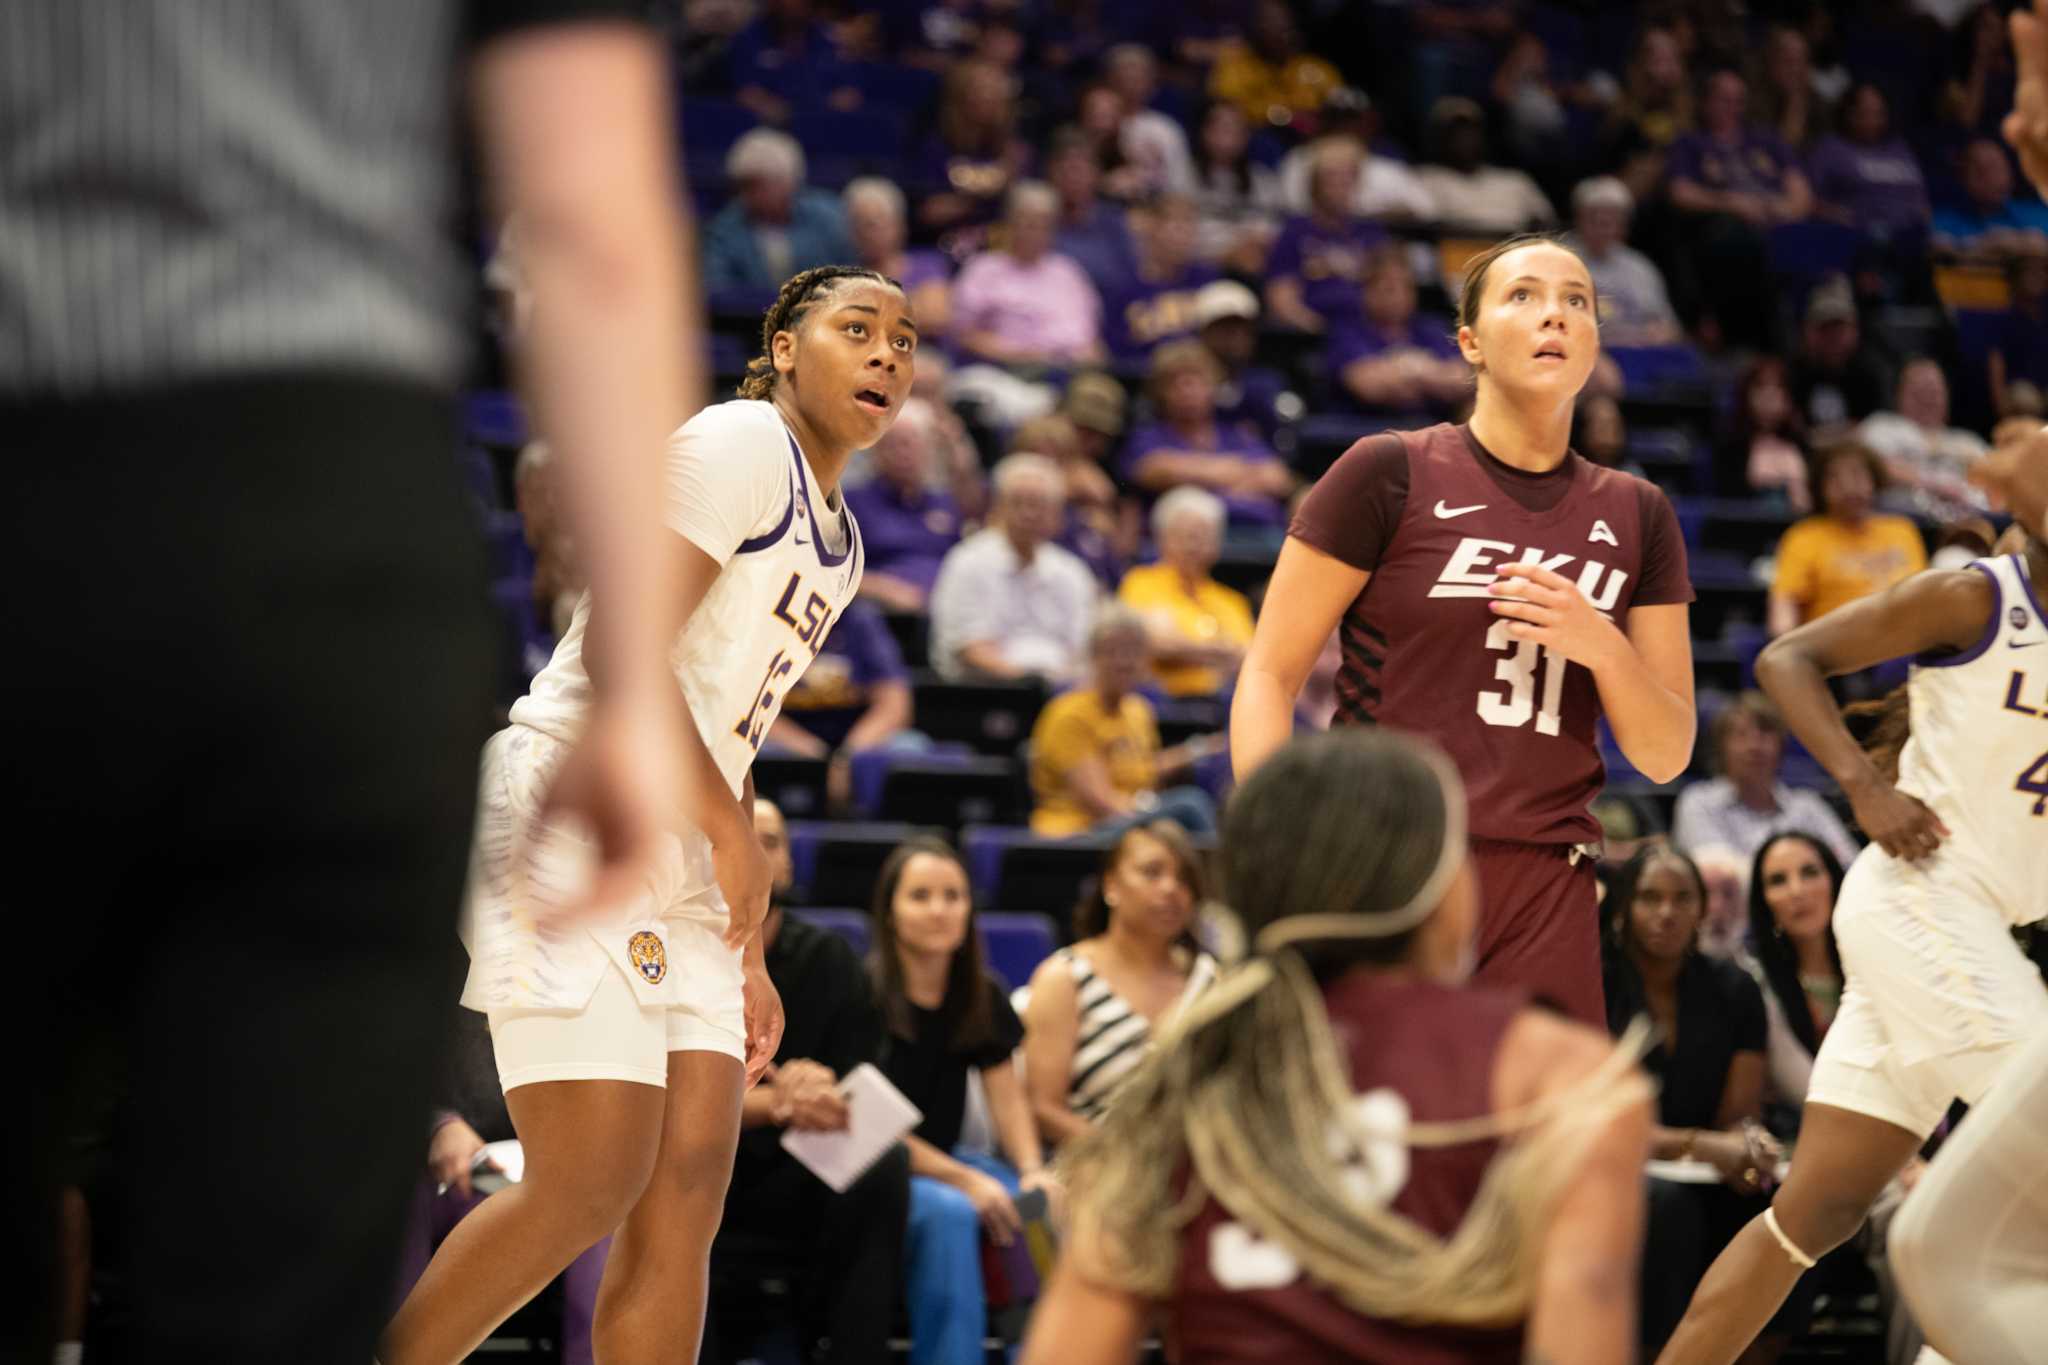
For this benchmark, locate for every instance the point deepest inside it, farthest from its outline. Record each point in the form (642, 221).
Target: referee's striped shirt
(198, 188)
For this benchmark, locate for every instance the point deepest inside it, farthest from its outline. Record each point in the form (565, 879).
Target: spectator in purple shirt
(976, 155)
(1732, 183)
(906, 523)
(877, 221)
(1092, 230)
(1866, 176)
(1227, 324)
(855, 696)
(1393, 357)
(1158, 304)
(1314, 269)
(1186, 444)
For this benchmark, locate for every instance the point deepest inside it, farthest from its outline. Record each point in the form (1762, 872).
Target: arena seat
(794, 783)
(852, 925)
(1017, 943)
(950, 790)
(991, 717)
(837, 863)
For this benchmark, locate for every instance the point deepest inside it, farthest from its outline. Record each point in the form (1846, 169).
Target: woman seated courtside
(945, 1016)
(1708, 1062)
(1096, 1006)
(1332, 1155)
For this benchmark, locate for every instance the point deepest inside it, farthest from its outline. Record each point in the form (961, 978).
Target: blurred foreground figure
(232, 323)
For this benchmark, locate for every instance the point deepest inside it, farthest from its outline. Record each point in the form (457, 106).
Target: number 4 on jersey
(2034, 781)
(1518, 671)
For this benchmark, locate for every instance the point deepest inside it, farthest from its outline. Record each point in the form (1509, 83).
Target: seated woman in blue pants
(946, 1015)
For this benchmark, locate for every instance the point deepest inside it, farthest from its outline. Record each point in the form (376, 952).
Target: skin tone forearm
(888, 714)
(575, 124)
(986, 657)
(1284, 647)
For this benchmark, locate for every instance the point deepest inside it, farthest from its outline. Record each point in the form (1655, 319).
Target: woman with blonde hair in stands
(1097, 1005)
(1342, 1151)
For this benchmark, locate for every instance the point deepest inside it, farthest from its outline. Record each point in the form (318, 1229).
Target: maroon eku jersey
(1432, 516)
(1420, 1052)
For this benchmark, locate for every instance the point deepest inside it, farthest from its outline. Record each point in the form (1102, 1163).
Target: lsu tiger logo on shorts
(650, 959)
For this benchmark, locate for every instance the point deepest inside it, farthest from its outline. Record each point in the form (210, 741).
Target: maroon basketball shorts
(1539, 925)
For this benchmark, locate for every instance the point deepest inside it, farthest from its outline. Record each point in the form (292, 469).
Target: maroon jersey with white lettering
(1432, 516)
(1420, 1052)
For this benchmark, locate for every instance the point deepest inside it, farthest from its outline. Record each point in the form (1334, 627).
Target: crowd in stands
(1169, 261)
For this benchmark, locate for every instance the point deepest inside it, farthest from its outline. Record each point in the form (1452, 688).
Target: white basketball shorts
(578, 996)
(1938, 996)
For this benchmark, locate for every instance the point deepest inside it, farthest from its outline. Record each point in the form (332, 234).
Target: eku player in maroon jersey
(1342, 1152)
(1500, 594)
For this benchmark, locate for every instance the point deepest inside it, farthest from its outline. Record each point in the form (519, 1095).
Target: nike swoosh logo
(2027, 644)
(1448, 512)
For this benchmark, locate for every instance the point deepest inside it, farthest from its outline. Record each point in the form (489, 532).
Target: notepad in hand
(877, 1117)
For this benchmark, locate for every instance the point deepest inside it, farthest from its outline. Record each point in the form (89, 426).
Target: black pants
(840, 1258)
(248, 672)
(1687, 1227)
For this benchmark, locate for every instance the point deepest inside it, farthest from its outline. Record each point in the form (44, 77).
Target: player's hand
(2018, 472)
(992, 1202)
(452, 1153)
(1899, 824)
(763, 1013)
(1546, 607)
(2026, 127)
(745, 880)
(623, 781)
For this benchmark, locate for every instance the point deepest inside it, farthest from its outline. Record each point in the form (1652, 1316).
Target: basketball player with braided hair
(1937, 998)
(1342, 1152)
(1970, 1248)
(626, 1042)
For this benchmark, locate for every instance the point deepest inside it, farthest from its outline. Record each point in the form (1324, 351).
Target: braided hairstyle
(796, 297)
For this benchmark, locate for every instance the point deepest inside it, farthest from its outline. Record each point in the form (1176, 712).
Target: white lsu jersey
(1978, 755)
(738, 489)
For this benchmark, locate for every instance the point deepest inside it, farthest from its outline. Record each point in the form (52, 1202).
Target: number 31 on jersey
(1519, 671)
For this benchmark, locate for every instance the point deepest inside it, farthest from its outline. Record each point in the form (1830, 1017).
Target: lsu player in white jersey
(1970, 1248)
(1938, 998)
(626, 1040)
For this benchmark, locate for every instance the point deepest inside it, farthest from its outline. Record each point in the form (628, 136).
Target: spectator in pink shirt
(1028, 305)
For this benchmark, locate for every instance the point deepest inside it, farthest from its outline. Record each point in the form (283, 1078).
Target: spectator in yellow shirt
(1096, 763)
(1198, 628)
(1268, 76)
(1848, 550)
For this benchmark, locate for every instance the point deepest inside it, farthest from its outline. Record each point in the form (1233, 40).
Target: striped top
(232, 187)
(1114, 1037)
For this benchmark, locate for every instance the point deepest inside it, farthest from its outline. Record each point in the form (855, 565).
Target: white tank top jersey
(1978, 756)
(739, 490)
